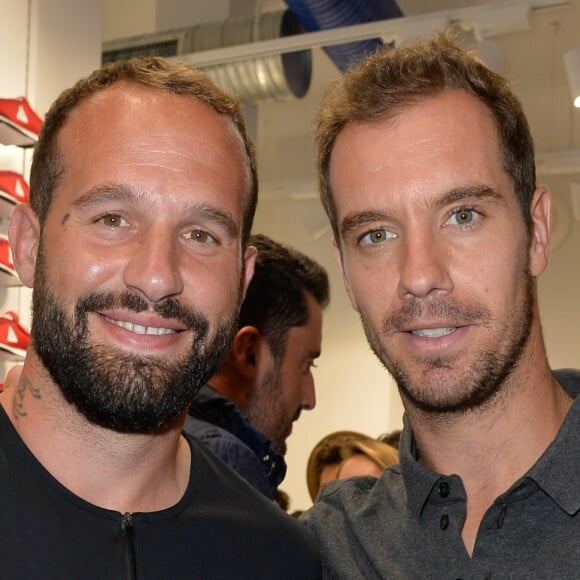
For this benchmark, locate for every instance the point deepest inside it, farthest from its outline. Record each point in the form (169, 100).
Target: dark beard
(483, 378)
(113, 388)
(259, 408)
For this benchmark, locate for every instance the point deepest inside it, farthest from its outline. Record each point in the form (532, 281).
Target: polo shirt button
(444, 522)
(444, 489)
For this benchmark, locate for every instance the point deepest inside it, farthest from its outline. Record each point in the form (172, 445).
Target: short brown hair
(176, 77)
(275, 299)
(393, 79)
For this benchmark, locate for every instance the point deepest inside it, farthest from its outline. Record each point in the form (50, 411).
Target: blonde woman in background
(344, 454)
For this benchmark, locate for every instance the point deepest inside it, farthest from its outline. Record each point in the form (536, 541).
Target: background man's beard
(116, 389)
(482, 378)
(263, 405)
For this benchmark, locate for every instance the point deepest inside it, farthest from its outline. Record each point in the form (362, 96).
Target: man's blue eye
(464, 216)
(377, 236)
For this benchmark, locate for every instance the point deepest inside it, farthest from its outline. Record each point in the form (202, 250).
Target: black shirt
(220, 529)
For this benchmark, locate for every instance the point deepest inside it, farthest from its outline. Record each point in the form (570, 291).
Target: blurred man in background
(246, 411)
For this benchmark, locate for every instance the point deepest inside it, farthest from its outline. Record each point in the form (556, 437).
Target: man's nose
(308, 394)
(153, 266)
(423, 265)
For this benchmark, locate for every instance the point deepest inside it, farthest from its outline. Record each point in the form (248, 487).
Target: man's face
(435, 254)
(286, 386)
(139, 272)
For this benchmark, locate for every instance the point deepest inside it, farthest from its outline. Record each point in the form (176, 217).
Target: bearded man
(143, 190)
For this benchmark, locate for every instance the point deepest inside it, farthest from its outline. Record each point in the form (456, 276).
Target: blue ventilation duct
(317, 15)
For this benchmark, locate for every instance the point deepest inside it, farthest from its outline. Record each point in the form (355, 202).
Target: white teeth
(434, 332)
(139, 329)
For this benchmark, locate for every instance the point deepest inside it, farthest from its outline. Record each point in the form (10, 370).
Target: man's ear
(340, 261)
(248, 266)
(246, 352)
(540, 239)
(24, 236)
(238, 375)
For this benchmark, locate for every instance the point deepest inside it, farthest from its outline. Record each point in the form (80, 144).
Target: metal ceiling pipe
(324, 14)
(273, 78)
(269, 78)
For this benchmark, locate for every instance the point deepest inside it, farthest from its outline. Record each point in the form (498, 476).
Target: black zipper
(130, 546)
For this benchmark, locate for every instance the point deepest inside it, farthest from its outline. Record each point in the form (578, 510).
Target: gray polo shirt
(407, 524)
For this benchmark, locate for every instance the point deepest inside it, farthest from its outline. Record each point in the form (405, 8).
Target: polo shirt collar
(557, 471)
(418, 479)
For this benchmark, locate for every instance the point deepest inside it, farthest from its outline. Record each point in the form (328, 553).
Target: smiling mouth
(139, 329)
(434, 332)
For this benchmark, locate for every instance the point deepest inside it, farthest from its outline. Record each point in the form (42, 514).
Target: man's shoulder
(229, 448)
(360, 497)
(357, 521)
(569, 379)
(230, 511)
(206, 431)
(232, 451)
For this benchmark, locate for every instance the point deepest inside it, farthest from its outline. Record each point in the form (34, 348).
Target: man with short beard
(143, 191)
(245, 412)
(426, 169)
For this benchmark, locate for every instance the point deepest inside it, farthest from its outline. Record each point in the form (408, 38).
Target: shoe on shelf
(19, 124)
(13, 190)
(8, 274)
(14, 338)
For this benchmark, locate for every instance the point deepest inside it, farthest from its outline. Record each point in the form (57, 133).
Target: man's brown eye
(111, 220)
(200, 236)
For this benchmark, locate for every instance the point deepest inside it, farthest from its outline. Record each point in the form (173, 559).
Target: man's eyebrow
(218, 216)
(354, 221)
(468, 193)
(119, 192)
(106, 192)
